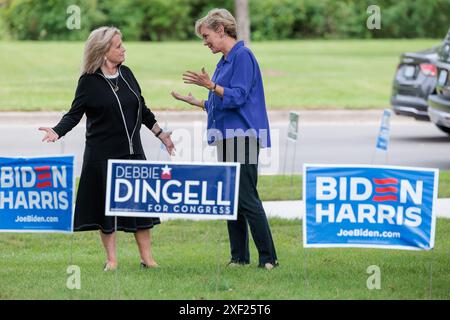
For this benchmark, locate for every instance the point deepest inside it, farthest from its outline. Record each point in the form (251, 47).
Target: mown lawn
(286, 187)
(352, 74)
(192, 257)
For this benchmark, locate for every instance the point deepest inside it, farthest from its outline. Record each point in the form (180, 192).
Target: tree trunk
(242, 20)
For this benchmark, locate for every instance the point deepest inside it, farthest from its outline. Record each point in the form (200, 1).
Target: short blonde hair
(97, 45)
(216, 18)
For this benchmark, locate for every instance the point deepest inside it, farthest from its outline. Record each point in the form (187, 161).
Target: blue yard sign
(369, 206)
(383, 134)
(141, 188)
(36, 194)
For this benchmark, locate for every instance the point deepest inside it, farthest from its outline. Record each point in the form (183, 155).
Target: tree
(242, 20)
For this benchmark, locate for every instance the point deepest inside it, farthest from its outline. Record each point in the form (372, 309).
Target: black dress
(106, 138)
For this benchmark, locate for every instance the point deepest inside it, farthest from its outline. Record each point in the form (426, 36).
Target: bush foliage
(159, 20)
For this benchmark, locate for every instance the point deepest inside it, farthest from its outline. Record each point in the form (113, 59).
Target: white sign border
(73, 196)
(373, 246)
(187, 216)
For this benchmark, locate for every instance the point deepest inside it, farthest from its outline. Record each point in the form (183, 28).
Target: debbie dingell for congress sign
(36, 194)
(369, 206)
(141, 188)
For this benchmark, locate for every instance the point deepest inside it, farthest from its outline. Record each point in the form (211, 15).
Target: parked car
(414, 81)
(439, 103)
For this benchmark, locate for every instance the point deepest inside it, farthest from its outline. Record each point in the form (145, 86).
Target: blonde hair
(216, 18)
(97, 45)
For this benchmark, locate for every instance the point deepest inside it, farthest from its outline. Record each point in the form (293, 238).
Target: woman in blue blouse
(238, 126)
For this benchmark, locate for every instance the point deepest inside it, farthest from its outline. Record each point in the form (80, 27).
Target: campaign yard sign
(139, 188)
(369, 206)
(293, 126)
(36, 194)
(383, 134)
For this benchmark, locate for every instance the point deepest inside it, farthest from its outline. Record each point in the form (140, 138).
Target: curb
(275, 116)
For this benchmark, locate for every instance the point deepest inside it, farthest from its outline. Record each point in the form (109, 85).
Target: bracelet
(158, 133)
(203, 105)
(214, 88)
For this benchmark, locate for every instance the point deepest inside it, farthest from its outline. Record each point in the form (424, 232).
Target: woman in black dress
(110, 96)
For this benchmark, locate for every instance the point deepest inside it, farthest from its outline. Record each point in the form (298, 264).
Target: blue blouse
(242, 109)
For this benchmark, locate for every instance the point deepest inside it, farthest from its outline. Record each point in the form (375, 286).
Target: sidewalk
(294, 209)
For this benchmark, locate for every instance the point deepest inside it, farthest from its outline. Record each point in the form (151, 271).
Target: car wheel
(445, 129)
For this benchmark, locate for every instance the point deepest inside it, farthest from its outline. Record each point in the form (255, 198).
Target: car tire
(445, 129)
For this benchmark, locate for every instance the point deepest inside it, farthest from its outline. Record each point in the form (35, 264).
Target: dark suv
(439, 103)
(414, 81)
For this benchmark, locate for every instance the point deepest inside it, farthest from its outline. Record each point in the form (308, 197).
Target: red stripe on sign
(384, 198)
(43, 168)
(386, 189)
(386, 181)
(44, 184)
(44, 176)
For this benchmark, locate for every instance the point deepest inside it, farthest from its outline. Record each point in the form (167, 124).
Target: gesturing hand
(200, 79)
(50, 135)
(167, 141)
(189, 98)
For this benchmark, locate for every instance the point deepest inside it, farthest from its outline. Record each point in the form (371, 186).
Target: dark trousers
(250, 209)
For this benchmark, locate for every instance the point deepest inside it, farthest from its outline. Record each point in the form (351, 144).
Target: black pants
(250, 209)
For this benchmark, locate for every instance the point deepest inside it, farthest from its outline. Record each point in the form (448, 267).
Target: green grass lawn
(297, 74)
(285, 187)
(192, 257)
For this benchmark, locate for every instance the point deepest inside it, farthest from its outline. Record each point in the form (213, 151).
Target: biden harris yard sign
(140, 188)
(369, 206)
(36, 194)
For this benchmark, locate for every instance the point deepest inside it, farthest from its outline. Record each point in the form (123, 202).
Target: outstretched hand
(201, 79)
(189, 99)
(50, 135)
(167, 141)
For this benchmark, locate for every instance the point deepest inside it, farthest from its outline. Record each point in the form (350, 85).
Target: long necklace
(114, 85)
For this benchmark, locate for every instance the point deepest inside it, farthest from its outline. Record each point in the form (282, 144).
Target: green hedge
(283, 19)
(158, 20)
(46, 20)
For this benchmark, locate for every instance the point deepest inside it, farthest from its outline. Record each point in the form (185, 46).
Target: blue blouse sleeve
(206, 105)
(235, 95)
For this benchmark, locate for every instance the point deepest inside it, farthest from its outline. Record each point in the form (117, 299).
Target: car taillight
(428, 69)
